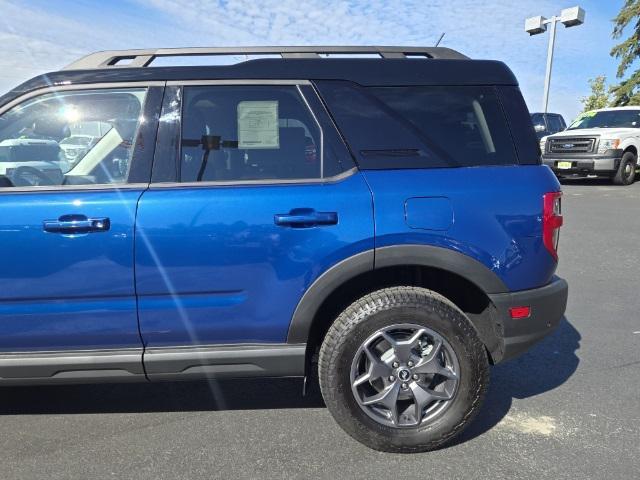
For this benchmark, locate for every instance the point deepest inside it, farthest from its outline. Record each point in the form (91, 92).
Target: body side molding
(79, 366)
(161, 363)
(224, 361)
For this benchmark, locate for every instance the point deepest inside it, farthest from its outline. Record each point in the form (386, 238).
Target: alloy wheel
(404, 375)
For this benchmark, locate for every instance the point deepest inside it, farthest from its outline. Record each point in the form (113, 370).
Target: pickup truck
(601, 143)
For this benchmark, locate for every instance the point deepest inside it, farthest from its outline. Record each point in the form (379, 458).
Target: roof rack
(144, 57)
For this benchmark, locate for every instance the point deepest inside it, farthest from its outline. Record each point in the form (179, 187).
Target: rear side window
(538, 119)
(464, 123)
(563, 125)
(237, 133)
(554, 123)
(422, 126)
(520, 124)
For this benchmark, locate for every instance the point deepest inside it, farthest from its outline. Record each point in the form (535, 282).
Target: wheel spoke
(377, 367)
(434, 367)
(431, 363)
(423, 397)
(403, 348)
(386, 397)
(365, 377)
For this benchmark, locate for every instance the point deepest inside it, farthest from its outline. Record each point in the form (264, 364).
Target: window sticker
(258, 124)
(582, 116)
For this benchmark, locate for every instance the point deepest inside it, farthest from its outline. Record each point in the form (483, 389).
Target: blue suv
(377, 216)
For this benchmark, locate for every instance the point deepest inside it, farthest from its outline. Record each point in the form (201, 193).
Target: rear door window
(248, 133)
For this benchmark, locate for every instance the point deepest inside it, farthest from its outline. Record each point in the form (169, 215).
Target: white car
(602, 143)
(30, 161)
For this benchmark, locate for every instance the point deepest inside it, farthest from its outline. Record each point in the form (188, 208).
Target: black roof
(364, 71)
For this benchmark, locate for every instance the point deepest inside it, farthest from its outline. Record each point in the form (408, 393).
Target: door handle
(70, 224)
(305, 218)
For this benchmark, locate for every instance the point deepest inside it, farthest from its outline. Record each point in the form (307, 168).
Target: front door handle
(305, 218)
(72, 224)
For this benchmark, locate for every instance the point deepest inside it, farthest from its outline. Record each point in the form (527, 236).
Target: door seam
(135, 236)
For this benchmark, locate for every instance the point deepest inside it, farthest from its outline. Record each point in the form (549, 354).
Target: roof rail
(144, 57)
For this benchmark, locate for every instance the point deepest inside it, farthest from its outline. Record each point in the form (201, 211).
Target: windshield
(76, 141)
(607, 119)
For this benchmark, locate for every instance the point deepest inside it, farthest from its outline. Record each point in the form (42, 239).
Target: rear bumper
(547, 304)
(604, 165)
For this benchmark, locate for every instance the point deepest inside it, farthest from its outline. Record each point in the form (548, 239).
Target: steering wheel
(20, 177)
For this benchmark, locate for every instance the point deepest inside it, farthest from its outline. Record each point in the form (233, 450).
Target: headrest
(51, 127)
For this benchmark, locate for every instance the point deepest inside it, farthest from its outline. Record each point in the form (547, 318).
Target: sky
(37, 36)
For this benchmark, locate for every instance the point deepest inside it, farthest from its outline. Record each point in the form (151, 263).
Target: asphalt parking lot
(569, 408)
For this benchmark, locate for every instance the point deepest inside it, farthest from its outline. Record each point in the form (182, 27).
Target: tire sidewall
(620, 178)
(456, 329)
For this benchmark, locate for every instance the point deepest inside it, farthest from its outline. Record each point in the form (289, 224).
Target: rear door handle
(305, 218)
(70, 224)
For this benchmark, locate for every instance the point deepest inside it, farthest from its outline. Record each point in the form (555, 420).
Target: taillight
(552, 221)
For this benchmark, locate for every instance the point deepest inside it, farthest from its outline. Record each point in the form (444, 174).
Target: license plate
(564, 165)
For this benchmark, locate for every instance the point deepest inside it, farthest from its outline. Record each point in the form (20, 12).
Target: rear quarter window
(422, 126)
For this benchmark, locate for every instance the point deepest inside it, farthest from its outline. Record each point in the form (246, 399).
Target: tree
(627, 92)
(599, 97)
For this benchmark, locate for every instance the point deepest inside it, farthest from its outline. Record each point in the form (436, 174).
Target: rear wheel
(626, 173)
(403, 370)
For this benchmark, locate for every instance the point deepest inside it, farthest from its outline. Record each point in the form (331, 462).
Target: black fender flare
(423, 255)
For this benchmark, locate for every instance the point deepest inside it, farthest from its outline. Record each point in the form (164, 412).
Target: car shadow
(586, 181)
(545, 367)
(214, 395)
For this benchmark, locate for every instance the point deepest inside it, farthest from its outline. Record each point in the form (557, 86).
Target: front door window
(70, 138)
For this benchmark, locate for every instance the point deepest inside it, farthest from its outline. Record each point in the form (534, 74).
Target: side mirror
(539, 128)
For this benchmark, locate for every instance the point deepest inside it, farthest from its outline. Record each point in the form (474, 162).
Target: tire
(626, 173)
(393, 311)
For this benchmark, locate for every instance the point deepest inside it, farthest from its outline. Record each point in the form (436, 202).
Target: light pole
(570, 17)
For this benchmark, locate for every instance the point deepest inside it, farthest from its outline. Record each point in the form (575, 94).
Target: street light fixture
(570, 17)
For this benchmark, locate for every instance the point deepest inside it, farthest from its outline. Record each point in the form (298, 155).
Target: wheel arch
(445, 271)
(631, 148)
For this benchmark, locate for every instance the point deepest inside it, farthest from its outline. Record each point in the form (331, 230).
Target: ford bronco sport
(385, 222)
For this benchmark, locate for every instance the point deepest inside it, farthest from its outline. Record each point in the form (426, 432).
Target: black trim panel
(324, 285)
(425, 255)
(444, 259)
(547, 304)
(84, 366)
(224, 361)
(140, 171)
(161, 363)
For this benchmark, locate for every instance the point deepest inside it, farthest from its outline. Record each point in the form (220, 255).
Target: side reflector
(520, 312)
